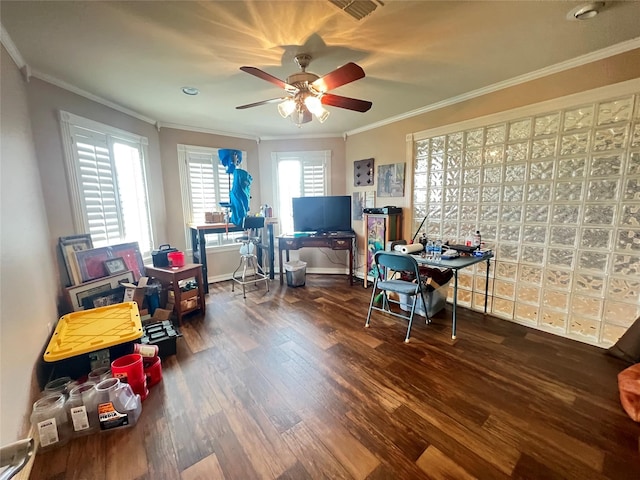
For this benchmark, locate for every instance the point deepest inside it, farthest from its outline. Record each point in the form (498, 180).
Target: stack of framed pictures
(85, 263)
(98, 293)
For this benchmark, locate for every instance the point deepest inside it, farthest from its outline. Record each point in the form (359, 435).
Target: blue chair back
(399, 262)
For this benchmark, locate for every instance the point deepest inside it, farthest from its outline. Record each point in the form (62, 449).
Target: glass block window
(556, 196)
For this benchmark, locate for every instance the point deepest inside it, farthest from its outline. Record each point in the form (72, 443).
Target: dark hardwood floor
(290, 385)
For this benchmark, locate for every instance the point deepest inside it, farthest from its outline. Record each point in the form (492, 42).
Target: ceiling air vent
(358, 9)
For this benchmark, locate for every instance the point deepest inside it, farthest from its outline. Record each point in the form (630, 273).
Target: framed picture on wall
(363, 173)
(391, 180)
(357, 204)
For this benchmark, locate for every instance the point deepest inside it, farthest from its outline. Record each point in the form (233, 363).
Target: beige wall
(317, 262)
(388, 144)
(222, 262)
(28, 275)
(45, 101)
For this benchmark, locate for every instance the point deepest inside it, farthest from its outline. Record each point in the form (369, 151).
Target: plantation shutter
(202, 185)
(97, 184)
(223, 184)
(313, 178)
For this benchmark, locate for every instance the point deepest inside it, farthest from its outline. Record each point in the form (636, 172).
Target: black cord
(418, 230)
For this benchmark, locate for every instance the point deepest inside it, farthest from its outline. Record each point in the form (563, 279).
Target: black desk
(199, 245)
(343, 241)
(456, 264)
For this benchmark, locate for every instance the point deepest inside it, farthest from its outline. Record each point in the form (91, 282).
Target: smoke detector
(585, 11)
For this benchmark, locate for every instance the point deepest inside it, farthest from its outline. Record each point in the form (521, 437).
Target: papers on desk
(449, 254)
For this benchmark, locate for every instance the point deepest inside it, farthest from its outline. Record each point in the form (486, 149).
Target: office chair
(399, 263)
(249, 271)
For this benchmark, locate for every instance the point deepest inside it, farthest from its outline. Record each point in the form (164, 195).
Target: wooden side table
(172, 276)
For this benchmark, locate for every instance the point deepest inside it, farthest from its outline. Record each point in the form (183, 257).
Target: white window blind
(108, 182)
(300, 174)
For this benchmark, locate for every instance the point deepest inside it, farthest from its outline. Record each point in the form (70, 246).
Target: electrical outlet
(48, 327)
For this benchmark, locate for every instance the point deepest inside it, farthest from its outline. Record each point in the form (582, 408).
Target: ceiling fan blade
(266, 76)
(263, 102)
(346, 102)
(340, 76)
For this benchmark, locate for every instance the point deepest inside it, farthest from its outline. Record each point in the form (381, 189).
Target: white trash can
(296, 271)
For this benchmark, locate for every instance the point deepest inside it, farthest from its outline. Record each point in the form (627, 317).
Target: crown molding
(210, 131)
(302, 137)
(13, 51)
(527, 77)
(628, 87)
(83, 93)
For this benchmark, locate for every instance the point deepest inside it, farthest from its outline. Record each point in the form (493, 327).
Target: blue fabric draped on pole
(240, 191)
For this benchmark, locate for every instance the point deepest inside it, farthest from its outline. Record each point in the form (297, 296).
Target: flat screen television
(322, 214)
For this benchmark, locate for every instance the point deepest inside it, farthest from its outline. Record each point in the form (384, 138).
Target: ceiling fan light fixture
(323, 115)
(313, 104)
(286, 108)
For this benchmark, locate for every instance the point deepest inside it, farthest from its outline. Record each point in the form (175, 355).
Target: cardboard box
(136, 293)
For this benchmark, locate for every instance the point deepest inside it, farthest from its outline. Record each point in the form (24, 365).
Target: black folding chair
(399, 263)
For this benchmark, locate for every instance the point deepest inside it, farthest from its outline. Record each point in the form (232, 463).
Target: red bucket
(128, 369)
(176, 259)
(153, 371)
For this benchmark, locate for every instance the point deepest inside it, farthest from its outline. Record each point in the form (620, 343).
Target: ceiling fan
(306, 92)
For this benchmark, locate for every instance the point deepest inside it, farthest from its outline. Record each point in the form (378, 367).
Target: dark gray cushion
(628, 346)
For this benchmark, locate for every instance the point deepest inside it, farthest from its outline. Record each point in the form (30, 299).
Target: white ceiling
(138, 54)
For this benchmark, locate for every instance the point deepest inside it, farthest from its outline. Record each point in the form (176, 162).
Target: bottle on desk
(437, 250)
(429, 248)
(477, 239)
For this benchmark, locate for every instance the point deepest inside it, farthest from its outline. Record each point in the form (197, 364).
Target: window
(106, 170)
(205, 184)
(300, 174)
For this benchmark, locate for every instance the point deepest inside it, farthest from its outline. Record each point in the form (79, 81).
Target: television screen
(322, 214)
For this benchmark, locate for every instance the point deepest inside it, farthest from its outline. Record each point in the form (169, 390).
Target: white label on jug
(110, 417)
(48, 432)
(79, 418)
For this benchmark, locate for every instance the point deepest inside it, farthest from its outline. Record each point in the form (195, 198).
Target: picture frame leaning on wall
(77, 294)
(69, 245)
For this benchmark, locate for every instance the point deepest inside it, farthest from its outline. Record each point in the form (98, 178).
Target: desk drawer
(340, 244)
(289, 244)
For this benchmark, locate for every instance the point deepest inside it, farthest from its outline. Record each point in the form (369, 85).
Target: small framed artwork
(68, 247)
(369, 199)
(391, 180)
(91, 263)
(357, 200)
(130, 252)
(115, 265)
(103, 299)
(77, 294)
(363, 173)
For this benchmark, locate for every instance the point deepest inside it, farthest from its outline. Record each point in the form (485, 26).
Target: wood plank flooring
(290, 385)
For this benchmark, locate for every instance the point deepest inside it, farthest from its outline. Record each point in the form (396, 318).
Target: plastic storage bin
(436, 300)
(89, 339)
(164, 335)
(296, 271)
